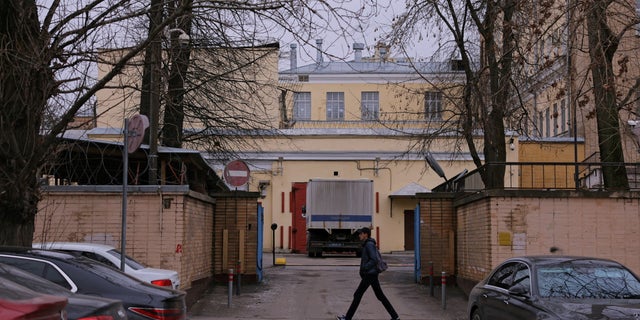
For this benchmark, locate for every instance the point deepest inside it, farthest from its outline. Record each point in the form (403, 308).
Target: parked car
(18, 302)
(111, 256)
(556, 287)
(140, 299)
(79, 307)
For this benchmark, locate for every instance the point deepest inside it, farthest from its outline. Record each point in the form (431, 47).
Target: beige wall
(392, 176)
(120, 99)
(496, 226)
(169, 230)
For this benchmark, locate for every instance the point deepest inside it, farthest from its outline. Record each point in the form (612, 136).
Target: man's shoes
(341, 318)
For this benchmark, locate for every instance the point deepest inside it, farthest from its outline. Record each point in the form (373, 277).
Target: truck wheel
(311, 254)
(319, 254)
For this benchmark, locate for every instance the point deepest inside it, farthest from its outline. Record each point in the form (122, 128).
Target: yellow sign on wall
(504, 238)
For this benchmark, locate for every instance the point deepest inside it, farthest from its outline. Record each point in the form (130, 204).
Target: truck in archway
(335, 209)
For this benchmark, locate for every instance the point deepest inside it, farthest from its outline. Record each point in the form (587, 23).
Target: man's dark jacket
(369, 258)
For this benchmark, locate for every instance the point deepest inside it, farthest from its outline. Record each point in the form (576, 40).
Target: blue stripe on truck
(341, 217)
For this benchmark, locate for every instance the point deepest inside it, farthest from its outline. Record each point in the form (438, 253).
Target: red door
(298, 222)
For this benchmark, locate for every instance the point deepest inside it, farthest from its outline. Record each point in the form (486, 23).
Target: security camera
(633, 123)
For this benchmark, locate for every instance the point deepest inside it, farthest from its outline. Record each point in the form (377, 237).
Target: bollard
(239, 277)
(431, 278)
(230, 287)
(444, 290)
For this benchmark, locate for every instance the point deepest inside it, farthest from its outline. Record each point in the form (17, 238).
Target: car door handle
(484, 295)
(506, 301)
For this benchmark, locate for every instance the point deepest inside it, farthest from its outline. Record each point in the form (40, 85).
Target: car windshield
(586, 281)
(128, 261)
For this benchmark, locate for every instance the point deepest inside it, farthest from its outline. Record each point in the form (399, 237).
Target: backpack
(381, 265)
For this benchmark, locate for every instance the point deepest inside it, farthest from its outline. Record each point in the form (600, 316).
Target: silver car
(111, 257)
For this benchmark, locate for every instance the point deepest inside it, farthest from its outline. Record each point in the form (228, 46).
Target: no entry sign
(236, 173)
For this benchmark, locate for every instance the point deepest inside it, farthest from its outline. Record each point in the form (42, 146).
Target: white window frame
(370, 105)
(433, 105)
(302, 106)
(335, 106)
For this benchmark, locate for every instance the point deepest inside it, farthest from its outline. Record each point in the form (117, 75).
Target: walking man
(369, 277)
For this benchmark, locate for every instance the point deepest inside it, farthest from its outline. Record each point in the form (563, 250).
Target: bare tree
(221, 87)
(474, 27)
(501, 46)
(48, 57)
(608, 23)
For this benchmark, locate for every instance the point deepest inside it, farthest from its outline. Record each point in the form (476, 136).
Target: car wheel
(476, 315)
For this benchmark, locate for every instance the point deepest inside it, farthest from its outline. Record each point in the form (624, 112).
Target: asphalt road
(320, 288)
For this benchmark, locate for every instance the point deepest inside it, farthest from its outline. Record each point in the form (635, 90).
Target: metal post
(444, 290)
(125, 166)
(274, 226)
(431, 291)
(230, 287)
(239, 280)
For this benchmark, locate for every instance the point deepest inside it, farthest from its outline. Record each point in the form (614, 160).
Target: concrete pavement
(320, 288)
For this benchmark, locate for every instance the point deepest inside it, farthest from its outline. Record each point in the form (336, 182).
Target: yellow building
(364, 118)
(558, 91)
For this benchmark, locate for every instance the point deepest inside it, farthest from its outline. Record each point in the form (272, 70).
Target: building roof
(364, 67)
(409, 191)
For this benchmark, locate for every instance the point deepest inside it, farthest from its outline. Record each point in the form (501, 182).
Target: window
(540, 123)
(433, 105)
(302, 106)
(547, 117)
(335, 105)
(563, 116)
(39, 268)
(502, 277)
(522, 278)
(555, 119)
(370, 105)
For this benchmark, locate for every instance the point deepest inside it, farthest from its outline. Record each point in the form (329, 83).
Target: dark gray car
(140, 299)
(79, 306)
(556, 287)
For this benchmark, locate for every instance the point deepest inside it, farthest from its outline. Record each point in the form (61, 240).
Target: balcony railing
(544, 176)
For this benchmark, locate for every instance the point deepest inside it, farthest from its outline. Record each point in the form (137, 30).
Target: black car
(141, 300)
(556, 287)
(79, 306)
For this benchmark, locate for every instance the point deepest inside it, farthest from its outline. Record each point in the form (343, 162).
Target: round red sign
(236, 173)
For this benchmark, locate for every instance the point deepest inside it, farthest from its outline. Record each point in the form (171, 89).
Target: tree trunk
(602, 46)
(26, 81)
(179, 54)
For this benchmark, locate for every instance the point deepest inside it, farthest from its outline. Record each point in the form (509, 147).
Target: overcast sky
(340, 45)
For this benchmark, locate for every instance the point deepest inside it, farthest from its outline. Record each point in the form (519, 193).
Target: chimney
(319, 46)
(293, 57)
(357, 48)
(383, 53)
